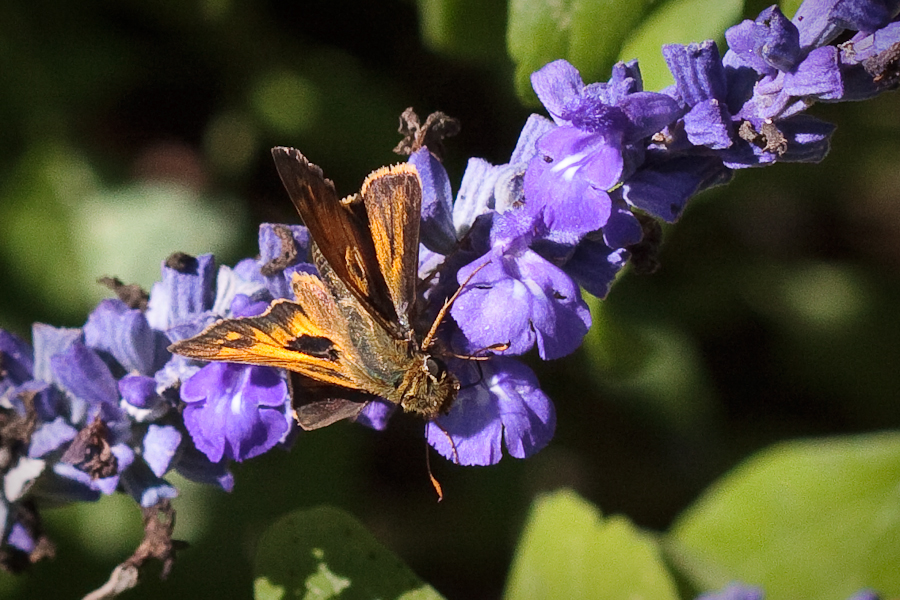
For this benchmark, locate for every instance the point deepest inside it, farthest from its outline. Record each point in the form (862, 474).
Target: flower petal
(82, 373)
(50, 436)
(125, 334)
(160, 445)
(556, 84)
(437, 232)
(376, 414)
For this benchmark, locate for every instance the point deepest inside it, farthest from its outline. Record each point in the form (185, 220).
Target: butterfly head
(430, 388)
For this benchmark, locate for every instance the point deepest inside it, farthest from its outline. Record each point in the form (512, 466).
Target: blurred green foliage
(131, 130)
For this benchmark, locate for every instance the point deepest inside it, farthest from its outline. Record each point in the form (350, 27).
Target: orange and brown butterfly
(348, 336)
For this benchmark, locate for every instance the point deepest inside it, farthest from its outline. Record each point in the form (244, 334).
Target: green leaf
(808, 519)
(587, 33)
(677, 22)
(324, 553)
(464, 28)
(568, 550)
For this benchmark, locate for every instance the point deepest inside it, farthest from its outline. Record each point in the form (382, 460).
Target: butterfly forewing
(341, 228)
(393, 201)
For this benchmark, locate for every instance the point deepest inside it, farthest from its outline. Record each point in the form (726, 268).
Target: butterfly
(350, 335)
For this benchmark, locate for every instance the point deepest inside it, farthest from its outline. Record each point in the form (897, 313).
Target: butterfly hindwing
(318, 404)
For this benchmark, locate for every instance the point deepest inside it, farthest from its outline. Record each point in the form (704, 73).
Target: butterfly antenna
(446, 307)
(434, 482)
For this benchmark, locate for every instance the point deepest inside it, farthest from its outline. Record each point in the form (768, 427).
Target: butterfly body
(348, 336)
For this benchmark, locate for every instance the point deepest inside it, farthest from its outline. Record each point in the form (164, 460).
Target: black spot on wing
(320, 347)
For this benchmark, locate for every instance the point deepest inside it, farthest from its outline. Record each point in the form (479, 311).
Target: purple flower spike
(521, 299)
(235, 411)
(506, 404)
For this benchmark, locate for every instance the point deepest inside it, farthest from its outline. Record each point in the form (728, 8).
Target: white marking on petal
(236, 403)
(567, 162)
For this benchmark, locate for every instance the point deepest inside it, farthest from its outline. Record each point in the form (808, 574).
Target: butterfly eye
(436, 368)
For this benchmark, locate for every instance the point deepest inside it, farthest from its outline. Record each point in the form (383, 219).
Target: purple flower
(125, 334)
(597, 143)
(518, 298)
(502, 402)
(235, 412)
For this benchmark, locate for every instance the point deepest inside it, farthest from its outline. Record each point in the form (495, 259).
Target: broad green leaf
(324, 553)
(568, 550)
(587, 33)
(677, 22)
(807, 519)
(464, 28)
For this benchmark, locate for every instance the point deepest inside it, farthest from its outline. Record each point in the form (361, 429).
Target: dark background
(773, 315)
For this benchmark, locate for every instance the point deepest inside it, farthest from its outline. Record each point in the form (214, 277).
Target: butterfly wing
(341, 229)
(393, 200)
